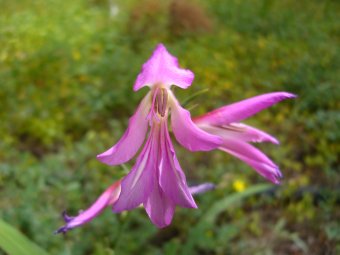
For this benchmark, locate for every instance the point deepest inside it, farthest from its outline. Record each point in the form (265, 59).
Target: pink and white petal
(109, 197)
(171, 177)
(255, 135)
(242, 110)
(132, 139)
(239, 131)
(159, 207)
(138, 184)
(187, 133)
(254, 158)
(162, 68)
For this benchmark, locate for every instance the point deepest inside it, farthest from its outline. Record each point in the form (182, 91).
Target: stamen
(161, 101)
(153, 110)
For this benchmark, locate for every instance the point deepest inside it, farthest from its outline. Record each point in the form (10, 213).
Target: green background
(66, 75)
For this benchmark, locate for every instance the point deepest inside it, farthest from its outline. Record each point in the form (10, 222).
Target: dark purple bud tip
(63, 230)
(66, 218)
(278, 176)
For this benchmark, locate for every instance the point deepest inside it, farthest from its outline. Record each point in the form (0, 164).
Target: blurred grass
(14, 243)
(66, 75)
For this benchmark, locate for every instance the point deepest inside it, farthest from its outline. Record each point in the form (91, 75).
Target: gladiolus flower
(157, 181)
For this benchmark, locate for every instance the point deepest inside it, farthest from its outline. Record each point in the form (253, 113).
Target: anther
(161, 101)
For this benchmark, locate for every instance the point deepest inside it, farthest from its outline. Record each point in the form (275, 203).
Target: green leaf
(208, 219)
(228, 201)
(15, 243)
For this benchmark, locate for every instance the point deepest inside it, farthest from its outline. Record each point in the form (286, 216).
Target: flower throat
(161, 101)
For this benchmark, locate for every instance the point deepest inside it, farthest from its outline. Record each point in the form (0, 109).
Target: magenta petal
(163, 68)
(138, 184)
(253, 157)
(132, 139)
(188, 134)
(159, 207)
(171, 177)
(239, 131)
(109, 197)
(242, 110)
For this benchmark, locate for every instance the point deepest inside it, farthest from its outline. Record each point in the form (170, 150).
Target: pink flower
(157, 181)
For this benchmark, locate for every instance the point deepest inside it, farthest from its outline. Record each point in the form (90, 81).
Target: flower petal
(254, 158)
(239, 131)
(171, 177)
(109, 197)
(138, 184)
(253, 135)
(187, 133)
(242, 110)
(159, 207)
(163, 68)
(132, 139)
(201, 188)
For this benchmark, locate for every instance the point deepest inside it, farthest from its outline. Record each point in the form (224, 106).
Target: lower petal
(254, 158)
(109, 197)
(172, 181)
(159, 207)
(171, 177)
(138, 184)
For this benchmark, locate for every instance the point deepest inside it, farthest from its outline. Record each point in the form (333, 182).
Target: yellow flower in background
(76, 55)
(262, 42)
(239, 185)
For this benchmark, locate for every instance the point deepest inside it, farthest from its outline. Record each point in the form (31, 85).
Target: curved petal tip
(65, 228)
(109, 197)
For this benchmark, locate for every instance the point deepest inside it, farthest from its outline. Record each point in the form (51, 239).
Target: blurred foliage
(14, 243)
(66, 73)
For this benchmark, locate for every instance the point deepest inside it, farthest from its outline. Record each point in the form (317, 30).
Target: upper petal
(242, 110)
(109, 197)
(187, 133)
(132, 139)
(163, 68)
